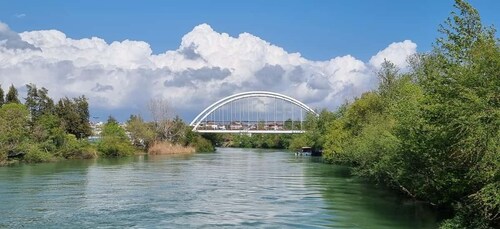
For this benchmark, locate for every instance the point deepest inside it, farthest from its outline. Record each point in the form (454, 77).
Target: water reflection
(233, 187)
(359, 204)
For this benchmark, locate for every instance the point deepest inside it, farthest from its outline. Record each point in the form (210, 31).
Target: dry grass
(162, 148)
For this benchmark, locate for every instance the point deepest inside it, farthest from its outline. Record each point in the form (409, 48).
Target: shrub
(111, 146)
(73, 148)
(34, 154)
(203, 145)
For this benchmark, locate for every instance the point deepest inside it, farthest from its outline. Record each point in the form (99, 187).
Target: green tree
(74, 115)
(13, 127)
(2, 98)
(316, 127)
(461, 120)
(141, 133)
(433, 133)
(49, 132)
(12, 95)
(38, 102)
(178, 130)
(387, 75)
(114, 140)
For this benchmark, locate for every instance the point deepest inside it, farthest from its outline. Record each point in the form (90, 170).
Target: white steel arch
(200, 117)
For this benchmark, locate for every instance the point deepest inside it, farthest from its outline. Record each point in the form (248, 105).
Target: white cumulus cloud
(396, 53)
(207, 66)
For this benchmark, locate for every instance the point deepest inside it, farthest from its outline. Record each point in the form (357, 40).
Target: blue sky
(318, 30)
(121, 54)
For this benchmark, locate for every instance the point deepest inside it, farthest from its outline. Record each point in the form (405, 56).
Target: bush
(111, 146)
(77, 149)
(34, 154)
(203, 145)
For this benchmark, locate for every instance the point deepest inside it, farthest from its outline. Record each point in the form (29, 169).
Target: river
(239, 188)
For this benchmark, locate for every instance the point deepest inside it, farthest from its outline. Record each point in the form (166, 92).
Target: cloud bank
(207, 66)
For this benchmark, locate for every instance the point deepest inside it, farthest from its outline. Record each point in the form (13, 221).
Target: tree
(112, 120)
(48, 127)
(12, 96)
(316, 130)
(141, 133)
(163, 119)
(2, 98)
(75, 116)
(13, 127)
(461, 121)
(387, 75)
(82, 109)
(38, 102)
(462, 32)
(114, 140)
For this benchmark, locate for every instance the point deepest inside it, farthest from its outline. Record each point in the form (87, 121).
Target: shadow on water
(346, 194)
(16, 172)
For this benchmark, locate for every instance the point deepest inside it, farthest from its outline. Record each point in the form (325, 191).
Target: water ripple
(231, 188)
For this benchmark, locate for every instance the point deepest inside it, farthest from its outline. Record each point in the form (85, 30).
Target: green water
(239, 188)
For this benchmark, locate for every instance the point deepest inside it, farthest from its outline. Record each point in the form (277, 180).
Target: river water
(239, 188)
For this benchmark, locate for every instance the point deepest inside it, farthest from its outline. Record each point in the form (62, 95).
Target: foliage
(316, 128)
(2, 98)
(265, 141)
(12, 95)
(76, 149)
(13, 127)
(111, 146)
(142, 134)
(433, 132)
(215, 139)
(48, 127)
(38, 102)
(172, 132)
(202, 145)
(34, 132)
(34, 154)
(74, 115)
(114, 141)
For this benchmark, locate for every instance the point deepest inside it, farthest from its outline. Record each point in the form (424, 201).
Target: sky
(122, 54)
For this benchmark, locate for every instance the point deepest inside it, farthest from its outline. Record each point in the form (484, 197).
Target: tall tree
(38, 102)
(387, 75)
(2, 99)
(82, 108)
(75, 116)
(12, 96)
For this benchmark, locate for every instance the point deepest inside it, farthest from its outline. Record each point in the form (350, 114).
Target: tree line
(41, 130)
(432, 131)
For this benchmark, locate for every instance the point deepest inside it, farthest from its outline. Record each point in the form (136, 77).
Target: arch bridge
(253, 112)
